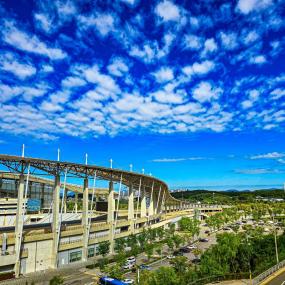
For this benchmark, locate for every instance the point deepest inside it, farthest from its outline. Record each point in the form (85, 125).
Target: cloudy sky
(191, 91)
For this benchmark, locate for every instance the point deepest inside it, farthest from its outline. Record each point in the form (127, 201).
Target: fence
(258, 279)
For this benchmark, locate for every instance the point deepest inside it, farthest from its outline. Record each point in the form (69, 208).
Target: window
(75, 256)
(91, 252)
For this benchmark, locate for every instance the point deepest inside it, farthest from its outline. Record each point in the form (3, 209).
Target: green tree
(180, 264)
(149, 250)
(120, 245)
(178, 240)
(104, 248)
(56, 280)
(114, 271)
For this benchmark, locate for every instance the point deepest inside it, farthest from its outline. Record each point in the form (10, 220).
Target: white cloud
(7, 93)
(72, 81)
(250, 37)
(129, 102)
(259, 171)
(259, 59)
(167, 11)
(247, 6)
(210, 46)
(118, 67)
(277, 93)
(30, 43)
(192, 42)
(104, 23)
(10, 63)
(44, 22)
(47, 68)
(246, 104)
(150, 51)
(229, 40)
(105, 82)
(55, 102)
(164, 74)
(199, 68)
(254, 95)
(269, 155)
(129, 2)
(190, 108)
(204, 92)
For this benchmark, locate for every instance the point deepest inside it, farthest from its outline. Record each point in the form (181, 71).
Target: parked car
(129, 281)
(177, 253)
(192, 246)
(131, 259)
(170, 256)
(145, 267)
(226, 229)
(128, 266)
(203, 240)
(207, 232)
(184, 249)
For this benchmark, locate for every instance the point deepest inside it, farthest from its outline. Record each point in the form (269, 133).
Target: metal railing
(258, 279)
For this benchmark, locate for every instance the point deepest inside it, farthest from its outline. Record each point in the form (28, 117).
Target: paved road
(278, 280)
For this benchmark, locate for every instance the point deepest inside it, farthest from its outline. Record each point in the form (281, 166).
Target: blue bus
(110, 281)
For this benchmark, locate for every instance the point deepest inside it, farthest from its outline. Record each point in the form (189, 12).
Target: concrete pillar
(110, 215)
(84, 220)
(131, 214)
(151, 204)
(143, 203)
(19, 225)
(55, 221)
(76, 202)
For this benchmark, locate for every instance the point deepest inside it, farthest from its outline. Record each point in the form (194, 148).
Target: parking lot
(166, 262)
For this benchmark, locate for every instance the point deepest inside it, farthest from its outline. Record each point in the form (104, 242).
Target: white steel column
(19, 224)
(111, 203)
(151, 206)
(131, 215)
(65, 200)
(157, 202)
(143, 204)
(110, 215)
(85, 220)
(55, 221)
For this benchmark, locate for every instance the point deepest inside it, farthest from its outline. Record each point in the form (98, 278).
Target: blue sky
(193, 93)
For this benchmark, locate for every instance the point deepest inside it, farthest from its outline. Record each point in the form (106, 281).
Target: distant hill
(228, 196)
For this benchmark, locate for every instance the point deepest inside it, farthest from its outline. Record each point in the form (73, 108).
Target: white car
(131, 259)
(170, 256)
(128, 266)
(129, 281)
(193, 246)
